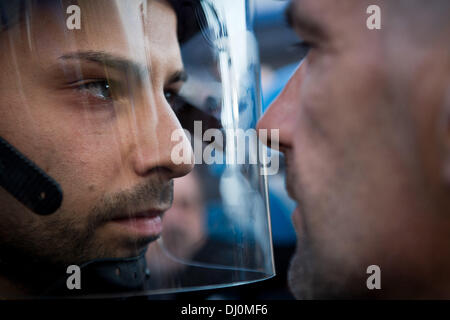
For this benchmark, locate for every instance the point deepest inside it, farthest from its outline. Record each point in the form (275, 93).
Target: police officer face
(91, 107)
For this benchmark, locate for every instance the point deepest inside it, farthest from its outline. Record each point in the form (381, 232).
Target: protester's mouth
(296, 219)
(142, 224)
(290, 181)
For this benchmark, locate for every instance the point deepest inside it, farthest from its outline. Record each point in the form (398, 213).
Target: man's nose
(281, 114)
(156, 141)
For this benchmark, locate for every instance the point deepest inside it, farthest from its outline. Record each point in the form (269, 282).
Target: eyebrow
(121, 64)
(105, 59)
(178, 76)
(296, 19)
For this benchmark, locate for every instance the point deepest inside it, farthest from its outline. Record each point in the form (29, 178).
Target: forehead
(326, 7)
(329, 12)
(121, 28)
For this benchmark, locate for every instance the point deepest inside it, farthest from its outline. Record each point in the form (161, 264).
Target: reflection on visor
(124, 104)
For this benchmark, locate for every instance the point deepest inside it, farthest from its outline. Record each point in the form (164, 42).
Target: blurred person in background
(185, 221)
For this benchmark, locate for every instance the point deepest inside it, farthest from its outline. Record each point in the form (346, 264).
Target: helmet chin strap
(29, 184)
(115, 277)
(106, 277)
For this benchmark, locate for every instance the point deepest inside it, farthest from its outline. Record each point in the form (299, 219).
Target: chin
(134, 248)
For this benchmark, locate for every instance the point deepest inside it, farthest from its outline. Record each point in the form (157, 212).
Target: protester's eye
(302, 49)
(100, 89)
(174, 100)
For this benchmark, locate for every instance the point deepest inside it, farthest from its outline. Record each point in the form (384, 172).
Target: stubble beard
(39, 252)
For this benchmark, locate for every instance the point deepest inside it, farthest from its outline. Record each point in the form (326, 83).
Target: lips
(142, 224)
(296, 219)
(152, 213)
(290, 175)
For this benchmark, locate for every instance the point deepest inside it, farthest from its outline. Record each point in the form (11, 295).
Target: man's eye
(174, 100)
(100, 89)
(302, 49)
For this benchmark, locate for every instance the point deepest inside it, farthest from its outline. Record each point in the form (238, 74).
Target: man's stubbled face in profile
(364, 123)
(90, 107)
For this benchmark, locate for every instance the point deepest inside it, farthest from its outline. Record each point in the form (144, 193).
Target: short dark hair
(10, 12)
(187, 11)
(188, 15)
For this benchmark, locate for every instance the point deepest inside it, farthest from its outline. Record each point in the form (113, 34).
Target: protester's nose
(281, 114)
(161, 143)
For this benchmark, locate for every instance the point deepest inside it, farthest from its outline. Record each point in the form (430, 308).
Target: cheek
(314, 135)
(331, 140)
(86, 166)
(340, 101)
(314, 166)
